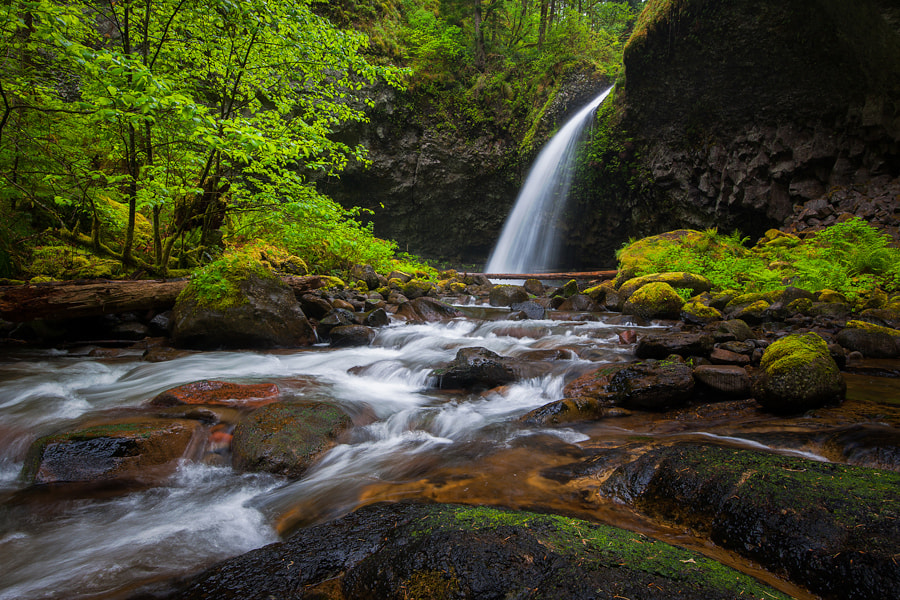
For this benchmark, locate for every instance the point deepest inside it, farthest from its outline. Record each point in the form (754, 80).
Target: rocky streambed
(464, 440)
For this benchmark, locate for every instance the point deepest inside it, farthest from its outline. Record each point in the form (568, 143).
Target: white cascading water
(528, 242)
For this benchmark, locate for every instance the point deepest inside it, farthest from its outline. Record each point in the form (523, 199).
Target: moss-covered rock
(798, 374)
(440, 551)
(831, 528)
(507, 295)
(874, 341)
(634, 257)
(695, 311)
(285, 438)
(417, 288)
(697, 284)
(238, 303)
(656, 300)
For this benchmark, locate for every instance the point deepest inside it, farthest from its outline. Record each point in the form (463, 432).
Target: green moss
(657, 299)
(218, 283)
(854, 324)
(602, 547)
(699, 311)
(794, 352)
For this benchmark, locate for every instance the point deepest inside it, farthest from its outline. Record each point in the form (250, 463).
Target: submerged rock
(220, 393)
(129, 450)
(832, 528)
(285, 438)
(440, 551)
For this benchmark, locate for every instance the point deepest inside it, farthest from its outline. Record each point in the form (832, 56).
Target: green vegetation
(852, 258)
(159, 135)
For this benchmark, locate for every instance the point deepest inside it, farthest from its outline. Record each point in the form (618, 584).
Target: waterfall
(529, 242)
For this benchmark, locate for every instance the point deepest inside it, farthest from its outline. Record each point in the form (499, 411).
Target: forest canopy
(156, 134)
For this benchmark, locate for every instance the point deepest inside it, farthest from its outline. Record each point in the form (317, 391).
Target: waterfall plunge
(528, 243)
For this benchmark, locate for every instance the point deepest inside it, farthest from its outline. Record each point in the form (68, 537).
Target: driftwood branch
(75, 299)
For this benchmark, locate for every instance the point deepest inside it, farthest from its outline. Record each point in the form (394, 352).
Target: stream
(408, 441)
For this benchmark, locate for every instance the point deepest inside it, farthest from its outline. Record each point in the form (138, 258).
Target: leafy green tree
(187, 110)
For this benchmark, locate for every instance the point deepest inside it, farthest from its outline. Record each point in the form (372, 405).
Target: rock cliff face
(437, 184)
(741, 112)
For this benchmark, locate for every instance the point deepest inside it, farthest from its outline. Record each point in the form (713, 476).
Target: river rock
(476, 368)
(346, 336)
(285, 438)
(798, 374)
(533, 287)
(366, 274)
(661, 345)
(531, 309)
(570, 410)
(815, 521)
(507, 295)
(732, 329)
(730, 380)
(338, 317)
(427, 309)
(141, 449)
(219, 393)
(642, 385)
(376, 318)
(315, 306)
(444, 551)
(579, 303)
(721, 356)
(873, 341)
(263, 314)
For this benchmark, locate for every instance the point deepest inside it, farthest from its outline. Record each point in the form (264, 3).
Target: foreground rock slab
(832, 528)
(451, 551)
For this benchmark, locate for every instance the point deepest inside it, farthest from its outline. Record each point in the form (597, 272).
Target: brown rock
(220, 393)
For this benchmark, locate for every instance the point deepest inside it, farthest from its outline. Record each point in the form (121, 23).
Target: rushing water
(528, 242)
(61, 543)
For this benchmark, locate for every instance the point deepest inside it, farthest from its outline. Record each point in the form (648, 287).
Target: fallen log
(545, 276)
(76, 299)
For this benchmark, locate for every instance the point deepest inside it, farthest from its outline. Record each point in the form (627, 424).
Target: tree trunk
(542, 31)
(76, 299)
(479, 37)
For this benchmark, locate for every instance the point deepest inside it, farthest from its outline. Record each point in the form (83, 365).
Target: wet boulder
(140, 449)
(507, 295)
(831, 528)
(315, 306)
(443, 551)
(873, 341)
(797, 373)
(579, 303)
(731, 330)
(476, 368)
(366, 274)
(257, 310)
(642, 385)
(570, 410)
(338, 317)
(731, 381)
(376, 318)
(426, 309)
(219, 393)
(347, 336)
(285, 438)
(661, 345)
(530, 309)
(656, 300)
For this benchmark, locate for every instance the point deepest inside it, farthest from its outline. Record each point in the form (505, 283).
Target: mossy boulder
(699, 313)
(656, 300)
(831, 528)
(797, 373)
(697, 284)
(416, 288)
(634, 258)
(873, 341)
(137, 449)
(507, 295)
(444, 551)
(285, 438)
(242, 305)
(426, 309)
